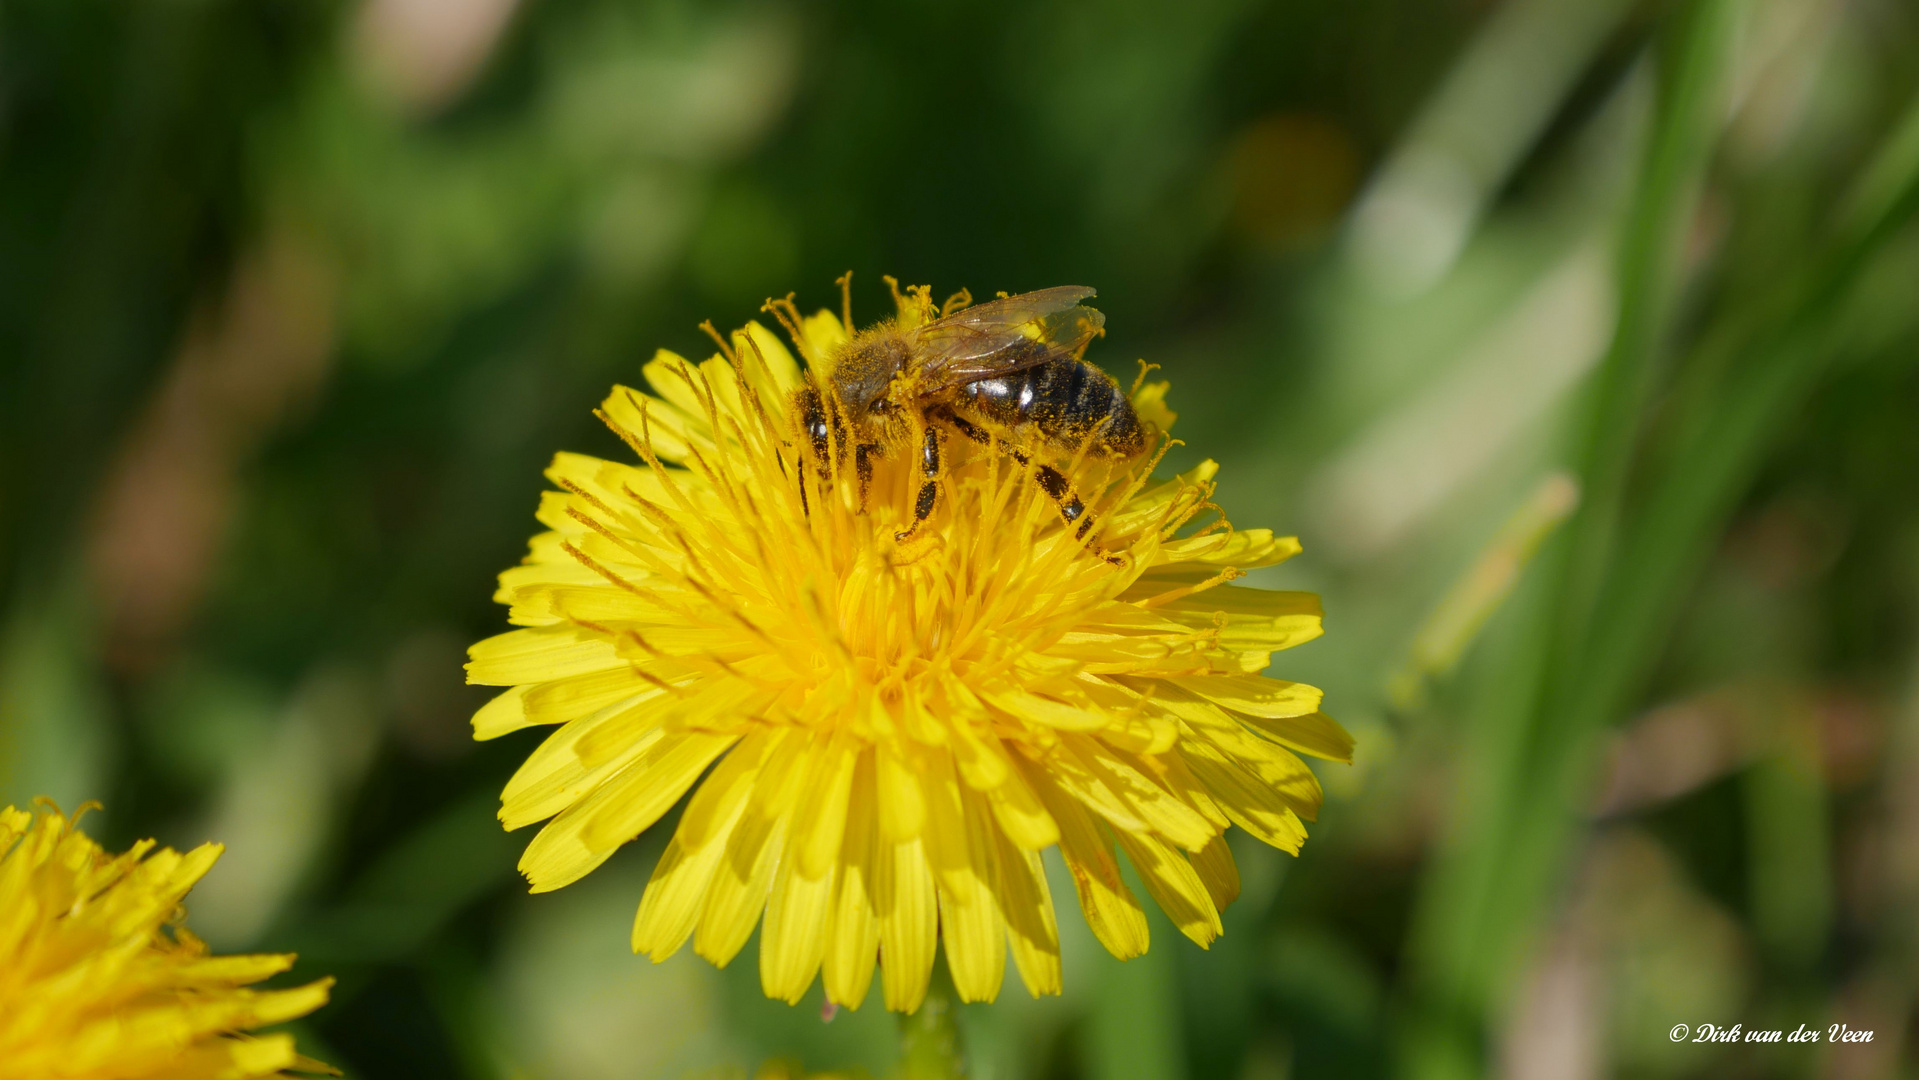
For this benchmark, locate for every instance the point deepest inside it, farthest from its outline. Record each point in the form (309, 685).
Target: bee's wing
(1011, 333)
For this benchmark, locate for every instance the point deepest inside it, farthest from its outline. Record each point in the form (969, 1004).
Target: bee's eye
(880, 405)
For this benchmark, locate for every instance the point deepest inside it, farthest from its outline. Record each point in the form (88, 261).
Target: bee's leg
(1071, 508)
(929, 492)
(964, 426)
(1060, 490)
(863, 465)
(1050, 480)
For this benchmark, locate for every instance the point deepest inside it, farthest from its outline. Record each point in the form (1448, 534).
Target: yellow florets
(894, 732)
(98, 981)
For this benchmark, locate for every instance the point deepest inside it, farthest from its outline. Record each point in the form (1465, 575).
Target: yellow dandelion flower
(898, 718)
(98, 980)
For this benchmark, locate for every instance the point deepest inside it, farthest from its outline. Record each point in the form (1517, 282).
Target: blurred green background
(1578, 340)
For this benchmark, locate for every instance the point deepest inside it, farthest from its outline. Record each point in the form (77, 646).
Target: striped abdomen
(1063, 401)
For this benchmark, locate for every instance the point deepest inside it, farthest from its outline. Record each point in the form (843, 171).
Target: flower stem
(929, 1039)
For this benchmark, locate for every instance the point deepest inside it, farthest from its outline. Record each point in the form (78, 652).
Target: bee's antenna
(725, 349)
(845, 282)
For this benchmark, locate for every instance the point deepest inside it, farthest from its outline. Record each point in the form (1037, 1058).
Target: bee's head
(865, 367)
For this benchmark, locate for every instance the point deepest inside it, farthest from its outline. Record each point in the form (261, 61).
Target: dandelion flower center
(894, 718)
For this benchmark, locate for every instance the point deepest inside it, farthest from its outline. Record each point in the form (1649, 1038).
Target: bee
(1010, 367)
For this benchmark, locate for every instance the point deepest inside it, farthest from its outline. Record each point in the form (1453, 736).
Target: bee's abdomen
(1062, 401)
